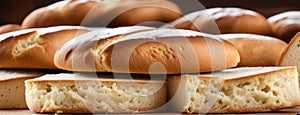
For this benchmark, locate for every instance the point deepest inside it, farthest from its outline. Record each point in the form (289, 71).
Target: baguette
(285, 25)
(256, 50)
(34, 48)
(146, 51)
(85, 93)
(102, 13)
(12, 87)
(67, 12)
(223, 21)
(248, 89)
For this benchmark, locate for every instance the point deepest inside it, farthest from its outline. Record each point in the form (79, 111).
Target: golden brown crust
(256, 50)
(173, 60)
(224, 20)
(34, 48)
(9, 28)
(173, 51)
(82, 52)
(285, 25)
(133, 12)
(60, 13)
(104, 13)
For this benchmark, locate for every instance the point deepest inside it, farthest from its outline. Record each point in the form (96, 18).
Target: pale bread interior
(290, 57)
(12, 88)
(79, 93)
(253, 89)
(24, 44)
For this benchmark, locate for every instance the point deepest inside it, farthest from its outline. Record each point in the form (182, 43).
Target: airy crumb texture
(12, 88)
(253, 89)
(24, 44)
(79, 93)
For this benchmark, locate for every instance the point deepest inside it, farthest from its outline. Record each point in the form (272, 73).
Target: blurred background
(14, 11)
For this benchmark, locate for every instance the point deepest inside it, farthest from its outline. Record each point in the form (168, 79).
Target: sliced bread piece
(290, 56)
(12, 88)
(249, 89)
(85, 93)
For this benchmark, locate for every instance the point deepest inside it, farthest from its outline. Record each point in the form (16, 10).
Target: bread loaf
(250, 89)
(285, 25)
(85, 93)
(9, 27)
(256, 50)
(224, 20)
(290, 56)
(12, 87)
(146, 51)
(67, 12)
(34, 48)
(102, 13)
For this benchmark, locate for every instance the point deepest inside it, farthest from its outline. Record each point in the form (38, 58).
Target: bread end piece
(253, 89)
(290, 56)
(12, 88)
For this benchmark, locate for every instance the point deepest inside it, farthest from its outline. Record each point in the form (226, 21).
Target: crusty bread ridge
(177, 51)
(102, 13)
(223, 21)
(34, 48)
(285, 25)
(248, 89)
(9, 28)
(12, 95)
(256, 50)
(85, 93)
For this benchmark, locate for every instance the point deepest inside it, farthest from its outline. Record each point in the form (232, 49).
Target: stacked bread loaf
(138, 50)
(145, 69)
(145, 51)
(35, 48)
(28, 49)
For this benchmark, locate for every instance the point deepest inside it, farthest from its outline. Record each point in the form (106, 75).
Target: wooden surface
(289, 111)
